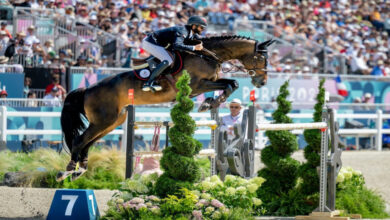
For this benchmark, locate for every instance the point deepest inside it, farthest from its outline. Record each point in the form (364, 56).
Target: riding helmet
(197, 20)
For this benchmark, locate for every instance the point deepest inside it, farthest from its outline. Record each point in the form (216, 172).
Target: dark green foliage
(308, 170)
(281, 170)
(182, 167)
(178, 159)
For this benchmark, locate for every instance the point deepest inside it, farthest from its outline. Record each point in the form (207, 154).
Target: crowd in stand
(357, 30)
(354, 29)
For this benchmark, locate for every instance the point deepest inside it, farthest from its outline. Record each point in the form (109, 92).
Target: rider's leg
(163, 56)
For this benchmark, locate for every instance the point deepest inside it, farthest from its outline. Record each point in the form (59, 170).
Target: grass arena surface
(34, 203)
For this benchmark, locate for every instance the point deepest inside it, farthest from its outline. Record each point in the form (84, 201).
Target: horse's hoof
(204, 107)
(63, 175)
(78, 174)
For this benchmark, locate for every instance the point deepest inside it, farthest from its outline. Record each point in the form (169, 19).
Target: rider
(157, 42)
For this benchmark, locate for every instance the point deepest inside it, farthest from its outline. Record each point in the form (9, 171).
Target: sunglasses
(235, 107)
(200, 26)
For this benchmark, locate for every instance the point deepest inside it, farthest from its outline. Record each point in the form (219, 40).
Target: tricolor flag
(341, 88)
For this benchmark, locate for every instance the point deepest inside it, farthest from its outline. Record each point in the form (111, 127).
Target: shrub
(180, 168)
(281, 170)
(354, 197)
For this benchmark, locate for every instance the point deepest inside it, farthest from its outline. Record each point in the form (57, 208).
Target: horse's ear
(265, 44)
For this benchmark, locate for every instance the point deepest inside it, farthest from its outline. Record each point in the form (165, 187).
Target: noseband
(251, 72)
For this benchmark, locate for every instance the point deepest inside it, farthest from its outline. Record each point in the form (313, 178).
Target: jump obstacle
(237, 156)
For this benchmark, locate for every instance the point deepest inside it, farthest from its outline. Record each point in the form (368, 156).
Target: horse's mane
(226, 37)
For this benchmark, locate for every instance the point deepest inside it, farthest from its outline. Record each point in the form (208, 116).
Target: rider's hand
(199, 46)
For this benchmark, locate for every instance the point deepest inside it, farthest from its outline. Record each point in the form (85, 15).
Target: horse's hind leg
(82, 141)
(83, 160)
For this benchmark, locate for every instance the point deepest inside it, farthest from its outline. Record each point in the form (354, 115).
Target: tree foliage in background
(280, 170)
(308, 170)
(181, 170)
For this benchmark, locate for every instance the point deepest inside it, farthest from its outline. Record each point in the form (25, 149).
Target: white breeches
(157, 51)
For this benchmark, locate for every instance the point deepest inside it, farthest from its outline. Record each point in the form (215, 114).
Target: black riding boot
(151, 84)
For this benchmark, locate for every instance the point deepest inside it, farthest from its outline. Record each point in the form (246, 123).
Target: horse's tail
(71, 116)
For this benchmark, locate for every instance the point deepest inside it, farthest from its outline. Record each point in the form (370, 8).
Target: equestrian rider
(173, 37)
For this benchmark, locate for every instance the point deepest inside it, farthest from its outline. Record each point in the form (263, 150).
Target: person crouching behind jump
(156, 42)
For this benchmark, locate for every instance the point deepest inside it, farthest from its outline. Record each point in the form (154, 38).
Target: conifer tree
(180, 168)
(280, 170)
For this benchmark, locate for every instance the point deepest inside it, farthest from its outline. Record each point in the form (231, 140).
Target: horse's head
(256, 63)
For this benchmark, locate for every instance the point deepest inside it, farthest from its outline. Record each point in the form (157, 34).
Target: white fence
(374, 133)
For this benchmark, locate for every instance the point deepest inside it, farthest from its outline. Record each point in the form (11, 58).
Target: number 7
(72, 201)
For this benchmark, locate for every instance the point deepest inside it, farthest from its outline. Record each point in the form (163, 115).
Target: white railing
(263, 124)
(376, 132)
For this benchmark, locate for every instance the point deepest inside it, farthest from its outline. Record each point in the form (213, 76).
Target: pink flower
(217, 203)
(153, 198)
(140, 206)
(137, 200)
(204, 202)
(197, 214)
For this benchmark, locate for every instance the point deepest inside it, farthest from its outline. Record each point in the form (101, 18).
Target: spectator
(26, 88)
(274, 60)
(359, 64)
(3, 97)
(367, 100)
(32, 102)
(31, 34)
(4, 28)
(48, 46)
(235, 117)
(81, 61)
(55, 82)
(378, 69)
(3, 42)
(104, 61)
(358, 102)
(53, 99)
(3, 61)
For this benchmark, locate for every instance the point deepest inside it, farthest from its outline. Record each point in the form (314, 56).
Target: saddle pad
(144, 73)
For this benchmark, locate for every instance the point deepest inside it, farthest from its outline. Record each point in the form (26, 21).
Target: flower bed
(234, 198)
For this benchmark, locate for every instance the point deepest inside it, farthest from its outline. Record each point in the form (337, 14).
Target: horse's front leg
(227, 85)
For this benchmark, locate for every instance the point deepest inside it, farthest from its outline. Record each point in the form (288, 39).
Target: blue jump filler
(73, 204)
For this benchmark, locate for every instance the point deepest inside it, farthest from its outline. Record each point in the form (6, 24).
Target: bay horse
(103, 104)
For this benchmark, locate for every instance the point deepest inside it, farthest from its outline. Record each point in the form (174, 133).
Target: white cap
(367, 95)
(238, 101)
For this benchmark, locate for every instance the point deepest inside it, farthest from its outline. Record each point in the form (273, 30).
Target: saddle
(143, 67)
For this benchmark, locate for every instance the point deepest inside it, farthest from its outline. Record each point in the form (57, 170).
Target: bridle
(251, 72)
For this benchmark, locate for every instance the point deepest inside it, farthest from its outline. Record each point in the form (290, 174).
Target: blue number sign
(73, 204)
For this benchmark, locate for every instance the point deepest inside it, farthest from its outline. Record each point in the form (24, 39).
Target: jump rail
(292, 126)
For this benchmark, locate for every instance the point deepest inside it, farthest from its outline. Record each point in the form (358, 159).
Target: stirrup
(156, 87)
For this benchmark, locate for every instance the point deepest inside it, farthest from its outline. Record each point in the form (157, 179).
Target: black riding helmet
(197, 20)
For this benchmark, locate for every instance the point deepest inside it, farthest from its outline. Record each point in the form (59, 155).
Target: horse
(103, 104)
